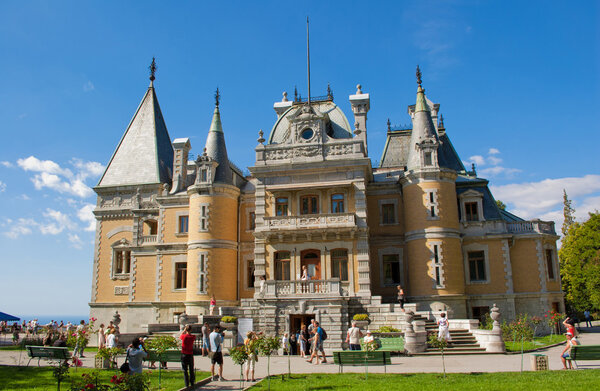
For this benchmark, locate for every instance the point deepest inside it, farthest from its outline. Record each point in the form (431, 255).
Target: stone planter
(227, 325)
(101, 362)
(362, 324)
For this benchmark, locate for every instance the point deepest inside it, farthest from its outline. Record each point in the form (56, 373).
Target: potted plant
(362, 320)
(102, 359)
(228, 322)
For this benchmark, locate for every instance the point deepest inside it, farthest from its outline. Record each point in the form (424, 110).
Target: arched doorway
(312, 260)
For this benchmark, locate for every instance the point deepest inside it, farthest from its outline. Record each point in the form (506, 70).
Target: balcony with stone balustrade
(309, 289)
(334, 222)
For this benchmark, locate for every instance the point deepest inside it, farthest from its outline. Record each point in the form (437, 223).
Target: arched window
(282, 265)
(150, 227)
(339, 264)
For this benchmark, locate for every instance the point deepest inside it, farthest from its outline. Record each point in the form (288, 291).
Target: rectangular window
(252, 220)
(471, 211)
(122, 259)
(204, 175)
(204, 218)
(281, 206)
(428, 160)
(339, 264)
(550, 264)
(309, 205)
(180, 275)
(282, 265)
(388, 212)
(337, 203)
(183, 224)
(250, 274)
(437, 266)
(391, 269)
(477, 266)
(431, 203)
(202, 267)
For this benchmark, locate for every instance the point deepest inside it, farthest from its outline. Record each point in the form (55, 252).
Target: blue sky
(517, 83)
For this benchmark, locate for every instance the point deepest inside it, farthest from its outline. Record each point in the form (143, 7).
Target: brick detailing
(162, 224)
(96, 267)
(507, 267)
(159, 270)
(133, 278)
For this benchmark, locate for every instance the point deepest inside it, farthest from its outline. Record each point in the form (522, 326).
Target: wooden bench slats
(393, 344)
(168, 356)
(47, 352)
(361, 357)
(585, 352)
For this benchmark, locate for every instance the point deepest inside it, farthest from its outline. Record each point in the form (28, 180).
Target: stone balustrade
(534, 226)
(332, 220)
(149, 239)
(295, 288)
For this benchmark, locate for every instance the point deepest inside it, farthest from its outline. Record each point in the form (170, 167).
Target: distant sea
(45, 319)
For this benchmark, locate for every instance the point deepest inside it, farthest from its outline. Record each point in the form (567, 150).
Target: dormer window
(307, 133)
(204, 175)
(428, 161)
(471, 206)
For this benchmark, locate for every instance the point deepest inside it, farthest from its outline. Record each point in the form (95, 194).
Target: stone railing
(334, 220)
(149, 239)
(294, 288)
(534, 226)
(328, 150)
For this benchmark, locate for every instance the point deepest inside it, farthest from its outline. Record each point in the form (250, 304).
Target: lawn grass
(38, 379)
(549, 380)
(538, 342)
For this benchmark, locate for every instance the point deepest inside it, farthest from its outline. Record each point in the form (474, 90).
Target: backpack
(323, 335)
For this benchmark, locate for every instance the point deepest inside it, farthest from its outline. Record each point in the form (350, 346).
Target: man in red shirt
(187, 356)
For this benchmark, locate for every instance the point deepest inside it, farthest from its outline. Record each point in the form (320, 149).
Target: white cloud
(493, 151)
(494, 161)
(20, 227)
(2, 187)
(75, 240)
(544, 199)
(58, 223)
(7, 164)
(86, 215)
(24, 197)
(46, 166)
(477, 159)
(498, 170)
(87, 169)
(88, 86)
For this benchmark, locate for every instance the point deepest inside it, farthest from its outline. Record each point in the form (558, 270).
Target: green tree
(580, 264)
(568, 213)
(501, 205)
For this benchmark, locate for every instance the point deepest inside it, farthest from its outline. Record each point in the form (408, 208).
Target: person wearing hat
(566, 353)
(369, 337)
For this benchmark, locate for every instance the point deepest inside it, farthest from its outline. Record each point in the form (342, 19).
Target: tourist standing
(136, 354)
(79, 335)
(588, 318)
(216, 354)
(318, 345)
(353, 337)
(304, 337)
(566, 353)
(205, 343)
(187, 356)
(101, 337)
(443, 327)
(401, 297)
(213, 304)
(250, 364)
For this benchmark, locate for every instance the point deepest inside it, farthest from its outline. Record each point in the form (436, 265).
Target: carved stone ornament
(495, 315)
(121, 290)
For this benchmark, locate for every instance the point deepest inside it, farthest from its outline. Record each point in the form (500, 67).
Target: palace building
(174, 232)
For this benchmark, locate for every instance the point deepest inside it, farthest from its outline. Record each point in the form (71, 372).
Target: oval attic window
(307, 133)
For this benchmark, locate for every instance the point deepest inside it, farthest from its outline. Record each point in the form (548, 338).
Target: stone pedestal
(415, 342)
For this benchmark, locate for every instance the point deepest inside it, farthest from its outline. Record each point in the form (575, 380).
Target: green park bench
(49, 353)
(584, 352)
(361, 357)
(391, 344)
(171, 355)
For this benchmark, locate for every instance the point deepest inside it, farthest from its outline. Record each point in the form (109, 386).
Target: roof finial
(217, 97)
(389, 125)
(419, 81)
(152, 68)
(295, 94)
(308, 58)
(329, 92)
(441, 124)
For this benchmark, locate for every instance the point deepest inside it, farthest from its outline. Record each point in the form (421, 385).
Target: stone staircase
(463, 342)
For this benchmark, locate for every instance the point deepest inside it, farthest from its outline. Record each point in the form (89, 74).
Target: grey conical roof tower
(215, 146)
(423, 128)
(145, 153)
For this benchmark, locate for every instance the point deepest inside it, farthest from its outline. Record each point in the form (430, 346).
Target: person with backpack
(320, 336)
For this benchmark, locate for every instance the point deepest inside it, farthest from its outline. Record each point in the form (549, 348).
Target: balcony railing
(334, 220)
(148, 239)
(294, 288)
(535, 226)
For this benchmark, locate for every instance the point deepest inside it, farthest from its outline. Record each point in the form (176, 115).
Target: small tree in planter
(159, 345)
(239, 355)
(370, 346)
(439, 343)
(266, 346)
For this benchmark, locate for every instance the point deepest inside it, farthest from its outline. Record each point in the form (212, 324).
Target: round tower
(432, 241)
(212, 238)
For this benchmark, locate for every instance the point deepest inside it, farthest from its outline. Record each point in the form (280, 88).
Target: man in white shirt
(216, 354)
(353, 337)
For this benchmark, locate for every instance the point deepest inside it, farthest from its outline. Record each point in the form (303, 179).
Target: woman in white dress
(443, 324)
(101, 337)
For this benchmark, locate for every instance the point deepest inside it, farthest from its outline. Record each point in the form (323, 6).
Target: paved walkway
(417, 364)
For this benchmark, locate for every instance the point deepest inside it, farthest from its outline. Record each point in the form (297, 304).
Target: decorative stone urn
(182, 320)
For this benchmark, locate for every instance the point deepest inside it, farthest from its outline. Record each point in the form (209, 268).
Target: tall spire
(423, 136)
(152, 69)
(215, 145)
(308, 58)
